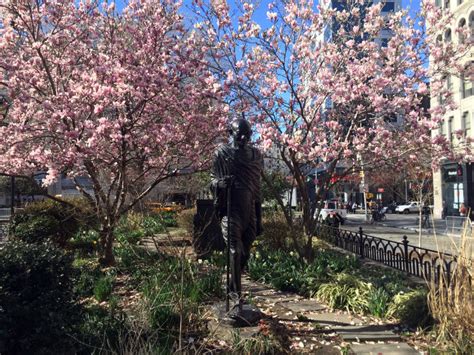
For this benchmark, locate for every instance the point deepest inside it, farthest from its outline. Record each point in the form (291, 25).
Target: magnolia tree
(123, 98)
(323, 87)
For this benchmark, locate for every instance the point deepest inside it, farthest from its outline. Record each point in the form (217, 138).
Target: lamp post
(406, 191)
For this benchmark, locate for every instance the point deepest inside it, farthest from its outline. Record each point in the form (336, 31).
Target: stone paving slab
(302, 306)
(221, 328)
(333, 319)
(311, 326)
(383, 349)
(366, 333)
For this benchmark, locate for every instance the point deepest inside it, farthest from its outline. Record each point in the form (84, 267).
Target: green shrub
(287, 271)
(103, 288)
(129, 236)
(378, 302)
(88, 272)
(100, 328)
(411, 308)
(37, 302)
(51, 220)
(37, 229)
(153, 225)
(85, 241)
(168, 218)
(333, 277)
(277, 235)
(185, 219)
(135, 226)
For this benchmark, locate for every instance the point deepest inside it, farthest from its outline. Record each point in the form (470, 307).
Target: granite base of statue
(248, 316)
(207, 233)
(236, 172)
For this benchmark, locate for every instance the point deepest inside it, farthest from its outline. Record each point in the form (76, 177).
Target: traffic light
(459, 170)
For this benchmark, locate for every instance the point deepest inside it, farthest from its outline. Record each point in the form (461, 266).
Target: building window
(441, 127)
(448, 84)
(460, 2)
(389, 6)
(438, 3)
(461, 26)
(447, 4)
(466, 124)
(471, 24)
(450, 130)
(447, 36)
(467, 83)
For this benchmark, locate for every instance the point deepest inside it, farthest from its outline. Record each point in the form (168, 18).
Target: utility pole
(363, 183)
(406, 191)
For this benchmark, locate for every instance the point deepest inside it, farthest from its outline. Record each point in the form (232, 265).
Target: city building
(454, 183)
(349, 190)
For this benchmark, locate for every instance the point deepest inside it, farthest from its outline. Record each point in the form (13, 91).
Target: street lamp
(406, 191)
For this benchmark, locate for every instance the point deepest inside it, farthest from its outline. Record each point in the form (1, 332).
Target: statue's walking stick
(229, 188)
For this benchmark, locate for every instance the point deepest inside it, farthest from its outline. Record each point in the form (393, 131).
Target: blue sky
(260, 16)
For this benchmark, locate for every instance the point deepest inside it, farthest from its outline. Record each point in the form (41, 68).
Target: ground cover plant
(148, 303)
(339, 280)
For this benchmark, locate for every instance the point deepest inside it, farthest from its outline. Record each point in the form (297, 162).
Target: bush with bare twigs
(451, 303)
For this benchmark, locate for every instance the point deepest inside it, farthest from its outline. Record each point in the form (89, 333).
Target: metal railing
(425, 263)
(5, 213)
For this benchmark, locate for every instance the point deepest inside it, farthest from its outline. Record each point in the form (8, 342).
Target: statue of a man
(238, 165)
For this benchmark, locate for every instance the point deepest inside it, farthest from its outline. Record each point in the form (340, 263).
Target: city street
(398, 225)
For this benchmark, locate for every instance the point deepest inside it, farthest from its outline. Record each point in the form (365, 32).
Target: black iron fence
(425, 263)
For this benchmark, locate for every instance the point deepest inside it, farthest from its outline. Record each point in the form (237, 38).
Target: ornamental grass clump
(346, 292)
(451, 303)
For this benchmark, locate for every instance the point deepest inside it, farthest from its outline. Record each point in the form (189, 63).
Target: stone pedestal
(207, 234)
(249, 316)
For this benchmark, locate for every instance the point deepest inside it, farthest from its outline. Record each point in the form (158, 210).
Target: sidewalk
(395, 229)
(310, 327)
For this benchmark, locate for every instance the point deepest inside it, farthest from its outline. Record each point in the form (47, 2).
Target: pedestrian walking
(444, 212)
(425, 222)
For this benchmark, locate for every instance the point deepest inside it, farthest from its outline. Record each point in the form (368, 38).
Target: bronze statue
(236, 186)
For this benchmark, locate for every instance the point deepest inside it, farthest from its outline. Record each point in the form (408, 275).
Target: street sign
(380, 189)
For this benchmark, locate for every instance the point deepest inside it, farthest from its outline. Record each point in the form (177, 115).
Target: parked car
(408, 207)
(332, 206)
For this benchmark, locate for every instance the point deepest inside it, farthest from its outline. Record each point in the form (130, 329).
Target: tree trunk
(107, 257)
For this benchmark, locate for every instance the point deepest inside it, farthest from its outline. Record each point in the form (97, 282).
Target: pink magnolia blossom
(341, 102)
(125, 99)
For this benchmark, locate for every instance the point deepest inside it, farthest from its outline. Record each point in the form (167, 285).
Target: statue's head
(240, 131)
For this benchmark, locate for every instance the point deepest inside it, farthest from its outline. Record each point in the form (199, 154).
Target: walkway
(307, 326)
(304, 326)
